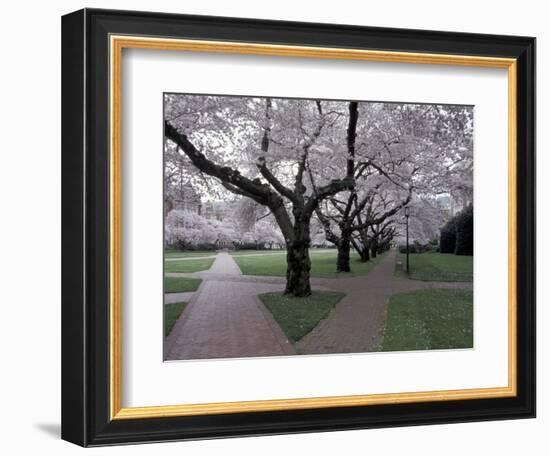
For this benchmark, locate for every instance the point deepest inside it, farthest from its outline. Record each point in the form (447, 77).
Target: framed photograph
(279, 227)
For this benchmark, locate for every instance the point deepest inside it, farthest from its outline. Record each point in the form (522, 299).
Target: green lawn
(171, 253)
(440, 267)
(171, 314)
(255, 252)
(180, 284)
(188, 265)
(323, 264)
(275, 251)
(298, 316)
(429, 319)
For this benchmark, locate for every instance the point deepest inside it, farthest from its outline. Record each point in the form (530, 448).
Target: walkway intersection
(225, 319)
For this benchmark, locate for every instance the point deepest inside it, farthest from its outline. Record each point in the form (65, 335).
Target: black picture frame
(85, 228)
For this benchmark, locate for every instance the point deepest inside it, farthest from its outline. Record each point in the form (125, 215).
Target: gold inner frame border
(116, 46)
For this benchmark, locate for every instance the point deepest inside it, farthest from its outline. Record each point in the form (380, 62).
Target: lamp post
(407, 213)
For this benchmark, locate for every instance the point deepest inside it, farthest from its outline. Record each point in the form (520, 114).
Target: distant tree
(189, 230)
(351, 220)
(247, 212)
(380, 237)
(265, 234)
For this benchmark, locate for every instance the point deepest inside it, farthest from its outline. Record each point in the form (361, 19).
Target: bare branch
(225, 174)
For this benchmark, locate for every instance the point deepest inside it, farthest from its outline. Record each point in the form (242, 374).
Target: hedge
(417, 247)
(465, 232)
(457, 235)
(447, 240)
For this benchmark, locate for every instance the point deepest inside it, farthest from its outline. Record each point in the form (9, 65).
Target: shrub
(423, 248)
(417, 247)
(247, 246)
(464, 222)
(413, 248)
(433, 245)
(447, 239)
(383, 247)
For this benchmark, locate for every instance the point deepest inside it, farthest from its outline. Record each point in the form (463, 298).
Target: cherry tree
(375, 239)
(401, 150)
(377, 227)
(354, 165)
(264, 234)
(191, 230)
(381, 163)
(188, 229)
(427, 216)
(359, 220)
(263, 149)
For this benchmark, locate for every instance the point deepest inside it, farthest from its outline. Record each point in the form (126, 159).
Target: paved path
(278, 252)
(170, 298)
(267, 252)
(191, 258)
(224, 264)
(225, 318)
(355, 324)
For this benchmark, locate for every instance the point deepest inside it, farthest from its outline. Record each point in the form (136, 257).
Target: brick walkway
(225, 318)
(191, 258)
(224, 264)
(185, 296)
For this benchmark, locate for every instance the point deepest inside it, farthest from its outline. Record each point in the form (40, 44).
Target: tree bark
(365, 255)
(362, 246)
(298, 262)
(342, 261)
(344, 247)
(374, 248)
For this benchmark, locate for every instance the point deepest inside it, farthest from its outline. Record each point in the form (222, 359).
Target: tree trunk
(344, 247)
(374, 248)
(365, 255)
(298, 262)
